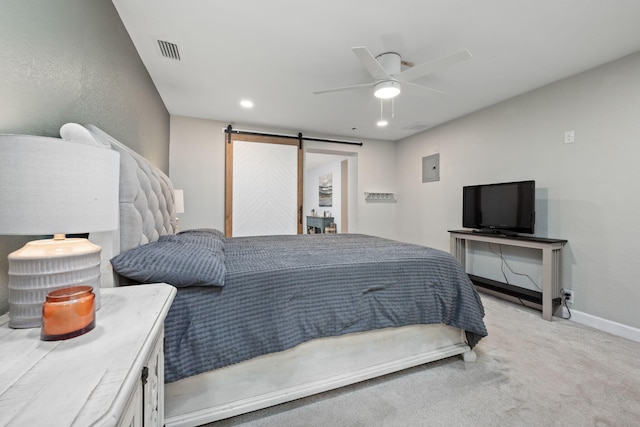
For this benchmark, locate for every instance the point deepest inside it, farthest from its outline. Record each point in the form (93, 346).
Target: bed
(259, 321)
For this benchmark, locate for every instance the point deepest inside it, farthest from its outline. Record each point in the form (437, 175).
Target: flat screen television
(503, 208)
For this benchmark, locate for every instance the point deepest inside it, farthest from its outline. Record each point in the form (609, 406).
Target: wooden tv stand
(551, 260)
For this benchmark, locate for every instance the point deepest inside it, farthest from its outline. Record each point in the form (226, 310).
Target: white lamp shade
(49, 186)
(179, 200)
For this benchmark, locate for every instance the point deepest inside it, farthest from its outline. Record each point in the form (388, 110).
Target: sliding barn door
(263, 186)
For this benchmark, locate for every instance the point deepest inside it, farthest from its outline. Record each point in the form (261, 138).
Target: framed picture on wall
(325, 193)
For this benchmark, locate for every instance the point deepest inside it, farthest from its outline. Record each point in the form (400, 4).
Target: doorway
(342, 170)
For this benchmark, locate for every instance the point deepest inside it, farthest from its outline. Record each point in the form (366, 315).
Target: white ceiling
(278, 52)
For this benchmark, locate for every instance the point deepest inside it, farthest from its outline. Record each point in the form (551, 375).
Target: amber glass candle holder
(68, 312)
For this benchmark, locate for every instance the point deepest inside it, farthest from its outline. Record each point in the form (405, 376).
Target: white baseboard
(606, 325)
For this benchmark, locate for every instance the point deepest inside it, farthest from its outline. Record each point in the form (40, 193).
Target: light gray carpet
(529, 372)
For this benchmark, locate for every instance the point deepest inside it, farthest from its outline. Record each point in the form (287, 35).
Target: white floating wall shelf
(380, 197)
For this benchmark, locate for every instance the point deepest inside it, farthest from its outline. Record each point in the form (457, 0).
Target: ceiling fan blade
(343, 88)
(433, 66)
(423, 90)
(370, 63)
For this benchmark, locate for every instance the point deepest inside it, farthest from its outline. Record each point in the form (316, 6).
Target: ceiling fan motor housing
(391, 62)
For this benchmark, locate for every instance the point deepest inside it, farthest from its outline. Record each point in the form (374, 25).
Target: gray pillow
(217, 234)
(178, 262)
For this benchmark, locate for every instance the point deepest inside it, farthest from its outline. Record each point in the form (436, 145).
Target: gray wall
(587, 191)
(73, 61)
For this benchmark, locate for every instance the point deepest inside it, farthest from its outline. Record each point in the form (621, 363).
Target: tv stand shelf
(551, 260)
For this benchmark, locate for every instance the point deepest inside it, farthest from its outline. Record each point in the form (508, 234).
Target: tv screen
(503, 208)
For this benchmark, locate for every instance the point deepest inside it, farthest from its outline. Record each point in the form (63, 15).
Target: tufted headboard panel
(147, 206)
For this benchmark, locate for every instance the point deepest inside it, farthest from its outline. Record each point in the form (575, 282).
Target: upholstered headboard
(147, 206)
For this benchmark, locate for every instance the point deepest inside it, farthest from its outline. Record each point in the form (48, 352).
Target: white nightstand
(96, 378)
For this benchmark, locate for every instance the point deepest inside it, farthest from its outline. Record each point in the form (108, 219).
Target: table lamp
(179, 202)
(50, 186)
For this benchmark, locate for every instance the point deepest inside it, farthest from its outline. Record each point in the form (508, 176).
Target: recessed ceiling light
(382, 123)
(246, 103)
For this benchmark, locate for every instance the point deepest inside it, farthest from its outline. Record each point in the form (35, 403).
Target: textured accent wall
(73, 61)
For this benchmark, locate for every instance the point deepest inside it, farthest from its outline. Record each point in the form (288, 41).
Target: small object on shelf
(67, 313)
(380, 197)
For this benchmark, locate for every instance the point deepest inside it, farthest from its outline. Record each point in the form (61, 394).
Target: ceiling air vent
(169, 50)
(418, 126)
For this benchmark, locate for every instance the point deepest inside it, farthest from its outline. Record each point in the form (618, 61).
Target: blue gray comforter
(281, 291)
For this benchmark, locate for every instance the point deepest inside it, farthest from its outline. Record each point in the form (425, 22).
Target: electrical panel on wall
(431, 168)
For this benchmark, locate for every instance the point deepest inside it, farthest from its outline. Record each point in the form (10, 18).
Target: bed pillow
(178, 262)
(195, 238)
(203, 232)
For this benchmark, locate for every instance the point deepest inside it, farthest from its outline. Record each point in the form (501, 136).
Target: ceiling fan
(386, 69)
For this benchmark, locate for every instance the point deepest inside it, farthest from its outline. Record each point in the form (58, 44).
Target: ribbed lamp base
(42, 266)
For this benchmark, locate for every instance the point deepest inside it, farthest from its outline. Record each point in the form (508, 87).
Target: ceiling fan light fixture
(387, 90)
(382, 123)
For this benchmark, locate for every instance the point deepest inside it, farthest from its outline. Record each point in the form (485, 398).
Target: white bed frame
(268, 380)
(310, 368)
